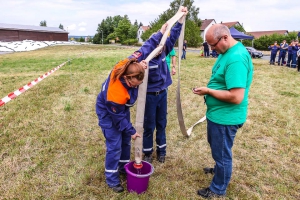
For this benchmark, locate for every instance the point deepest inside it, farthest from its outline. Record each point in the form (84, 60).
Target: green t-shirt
(234, 69)
(168, 58)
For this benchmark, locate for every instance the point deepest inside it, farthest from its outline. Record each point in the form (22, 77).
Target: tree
(193, 23)
(123, 28)
(43, 23)
(239, 28)
(107, 26)
(61, 27)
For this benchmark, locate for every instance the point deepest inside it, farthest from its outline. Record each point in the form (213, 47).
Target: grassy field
(52, 148)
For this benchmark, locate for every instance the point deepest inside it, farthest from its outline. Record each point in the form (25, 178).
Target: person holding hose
(118, 93)
(159, 80)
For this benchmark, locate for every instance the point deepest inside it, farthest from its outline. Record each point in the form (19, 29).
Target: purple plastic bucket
(138, 180)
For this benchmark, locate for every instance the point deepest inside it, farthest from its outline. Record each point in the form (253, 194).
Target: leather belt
(156, 93)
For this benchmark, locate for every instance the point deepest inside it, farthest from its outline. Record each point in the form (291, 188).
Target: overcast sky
(81, 17)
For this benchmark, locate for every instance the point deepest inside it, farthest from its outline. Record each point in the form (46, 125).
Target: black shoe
(161, 158)
(208, 170)
(148, 158)
(118, 188)
(207, 193)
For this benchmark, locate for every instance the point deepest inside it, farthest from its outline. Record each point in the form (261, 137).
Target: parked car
(254, 53)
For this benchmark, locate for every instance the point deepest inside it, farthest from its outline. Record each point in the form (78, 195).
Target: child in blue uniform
(119, 92)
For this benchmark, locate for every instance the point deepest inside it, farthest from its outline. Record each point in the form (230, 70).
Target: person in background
(294, 54)
(214, 53)
(298, 56)
(226, 97)
(206, 49)
(282, 52)
(184, 50)
(290, 53)
(274, 48)
(119, 92)
(171, 57)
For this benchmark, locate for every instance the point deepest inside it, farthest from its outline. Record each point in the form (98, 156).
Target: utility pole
(102, 35)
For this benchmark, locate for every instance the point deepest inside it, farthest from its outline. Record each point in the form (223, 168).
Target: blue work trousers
(220, 138)
(155, 118)
(183, 54)
(281, 57)
(290, 57)
(294, 60)
(272, 58)
(117, 149)
(206, 52)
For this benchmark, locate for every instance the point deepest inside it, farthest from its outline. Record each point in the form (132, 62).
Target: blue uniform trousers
(272, 58)
(290, 57)
(117, 149)
(294, 60)
(183, 54)
(155, 117)
(281, 57)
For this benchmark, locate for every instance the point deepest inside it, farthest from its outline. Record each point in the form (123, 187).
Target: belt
(156, 93)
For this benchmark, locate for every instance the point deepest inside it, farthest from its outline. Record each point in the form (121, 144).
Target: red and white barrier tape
(21, 90)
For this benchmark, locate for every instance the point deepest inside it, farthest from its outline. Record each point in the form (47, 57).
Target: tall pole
(102, 36)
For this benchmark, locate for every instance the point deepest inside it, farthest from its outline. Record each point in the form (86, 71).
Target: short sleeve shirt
(234, 69)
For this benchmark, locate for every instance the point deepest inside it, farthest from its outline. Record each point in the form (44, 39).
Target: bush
(130, 42)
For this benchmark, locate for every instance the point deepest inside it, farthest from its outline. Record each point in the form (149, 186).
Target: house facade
(258, 34)
(205, 25)
(15, 32)
(140, 32)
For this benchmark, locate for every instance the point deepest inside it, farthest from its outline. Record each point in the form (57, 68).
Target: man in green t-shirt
(171, 57)
(226, 97)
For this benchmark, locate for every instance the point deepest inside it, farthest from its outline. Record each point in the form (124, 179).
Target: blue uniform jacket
(294, 49)
(115, 98)
(290, 51)
(283, 48)
(159, 77)
(273, 48)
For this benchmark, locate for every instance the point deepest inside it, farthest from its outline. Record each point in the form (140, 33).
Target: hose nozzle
(137, 165)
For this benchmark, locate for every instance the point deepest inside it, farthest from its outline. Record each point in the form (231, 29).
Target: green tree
(193, 23)
(239, 28)
(81, 39)
(96, 38)
(61, 27)
(265, 41)
(107, 26)
(123, 28)
(43, 23)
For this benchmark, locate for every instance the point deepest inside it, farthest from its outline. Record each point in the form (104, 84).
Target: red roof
(205, 23)
(258, 34)
(231, 24)
(145, 27)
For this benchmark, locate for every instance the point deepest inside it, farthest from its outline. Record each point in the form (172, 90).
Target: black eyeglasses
(214, 45)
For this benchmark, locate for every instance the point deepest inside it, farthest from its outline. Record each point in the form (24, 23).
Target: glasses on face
(214, 45)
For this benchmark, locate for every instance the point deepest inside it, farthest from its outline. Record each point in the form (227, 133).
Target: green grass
(52, 148)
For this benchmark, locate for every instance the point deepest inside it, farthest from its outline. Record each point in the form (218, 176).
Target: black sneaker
(208, 170)
(118, 188)
(161, 158)
(148, 158)
(207, 193)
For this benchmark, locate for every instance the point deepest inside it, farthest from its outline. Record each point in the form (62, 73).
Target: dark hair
(131, 69)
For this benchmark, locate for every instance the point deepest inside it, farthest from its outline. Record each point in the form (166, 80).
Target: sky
(81, 17)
